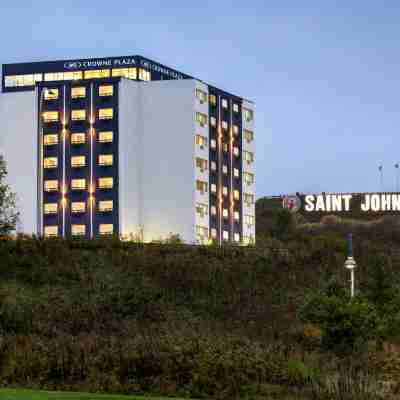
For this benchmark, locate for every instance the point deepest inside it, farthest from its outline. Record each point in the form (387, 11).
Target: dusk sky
(325, 75)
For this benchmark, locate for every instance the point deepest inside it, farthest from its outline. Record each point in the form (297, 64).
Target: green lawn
(18, 394)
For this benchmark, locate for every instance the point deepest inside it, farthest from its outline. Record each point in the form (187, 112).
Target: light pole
(350, 263)
(396, 166)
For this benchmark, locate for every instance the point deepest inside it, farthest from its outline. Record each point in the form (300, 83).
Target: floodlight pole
(350, 263)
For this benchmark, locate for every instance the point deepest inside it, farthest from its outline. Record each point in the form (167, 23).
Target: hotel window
(105, 205)
(236, 237)
(97, 73)
(225, 235)
(78, 161)
(201, 186)
(248, 114)
(22, 80)
(236, 151)
(50, 208)
(236, 194)
(106, 90)
(213, 166)
(236, 215)
(50, 162)
(202, 164)
(51, 94)
(106, 113)
(248, 199)
(225, 169)
(130, 73)
(213, 210)
(224, 103)
(213, 144)
(201, 95)
(106, 229)
(225, 147)
(213, 188)
(78, 92)
(249, 220)
(50, 139)
(201, 118)
(248, 178)
(202, 231)
(106, 183)
(105, 160)
(248, 156)
(106, 137)
(213, 121)
(224, 125)
(54, 76)
(201, 141)
(248, 135)
(213, 99)
(236, 172)
(78, 230)
(78, 207)
(78, 115)
(202, 209)
(213, 233)
(73, 76)
(235, 107)
(51, 231)
(78, 138)
(235, 130)
(225, 191)
(78, 184)
(51, 186)
(144, 75)
(225, 213)
(50, 116)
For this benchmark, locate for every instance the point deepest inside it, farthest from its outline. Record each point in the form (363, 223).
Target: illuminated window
(130, 73)
(106, 90)
(202, 232)
(97, 73)
(144, 75)
(106, 183)
(106, 137)
(50, 162)
(201, 95)
(78, 161)
(249, 220)
(51, 94)
(50, 186)
(73, 75)
(78, 207)
(235, 107)
(106, 229)
(213, 121)
(213, 210)
(236, 237)
(248, 156)
(78, 184)
(54, 76)
(225, 147)
(105, 160)
(78, 138)
(236, 215)
(202, 209)
(213, 166)
(248, 178)
(22, 80)
(202, 164)
(213, 144)
(225, 235)
(201, 141)
(225, 169)
(225, 213)
(50, 116)
(201, 118)
(213, 188)
(78, 115)
(225, 191)
(236, 194)
(224, 103)
(51, 231)
(78, 92)
(248, 114)
(50, 208)
(50, 139)
(213, 99)
(236, 172)
(235, 130)
(201, 186)
(248, 199)
(213, 233)
(248, 135)
(106, 113)
(78, 230)
(224, 125)
(236, 151)
(105, 205)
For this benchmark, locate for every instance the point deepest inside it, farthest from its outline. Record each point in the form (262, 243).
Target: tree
(8, 213)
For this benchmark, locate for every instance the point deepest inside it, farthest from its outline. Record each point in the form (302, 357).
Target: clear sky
(325, 75)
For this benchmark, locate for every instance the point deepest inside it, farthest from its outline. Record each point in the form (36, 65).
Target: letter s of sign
(309, 200)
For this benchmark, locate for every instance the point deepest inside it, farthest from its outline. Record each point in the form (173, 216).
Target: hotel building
(129, 147)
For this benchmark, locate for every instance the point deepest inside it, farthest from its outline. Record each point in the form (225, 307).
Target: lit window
(249, 220)
(248, 178)
(248, 156)
(105, 205)
(213, 144)
(106, 183)
(202, 209)
(235, 107)
(73, 75)
(50, 139)
(201, 141)
(106, 137)
(50, 94)
(213, 121)
(225, 213)
(97, 73)
(224, 125)
(130, 73)
(248, 135)
(78, 207)
(50, 208)
(106, 90)
(201, 186)
(213, 166)
(78, 138)
(236, 237)
(213, 188)
(78, 230)
(105, 160)
(50, 162)
(202, 232)
(201, 163)
(201, 118)
(54, 76)
(225, 191)
(106, 113)
(50, 186)
(22, 80)
(236, 151)
(225, 235)
(78, 161)
(51, 231)
(213, 99)
(78, 92)
(225, 169)
(144, 75)
(236, 172)
(78, 184)
(248, 114)
(106, 229)
(224, 103)
(78, 115)
(235, 129)
(50, 116)
(213, 210)
(225, 147)
(201, 95)
(248, 199)
(236, 215)
(236, 194)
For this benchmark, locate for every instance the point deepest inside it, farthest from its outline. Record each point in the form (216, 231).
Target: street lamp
(350, 263)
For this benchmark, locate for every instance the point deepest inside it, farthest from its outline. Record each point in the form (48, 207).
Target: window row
(78, 207)
(78, 92)
(224, 103)
(202, 211)
(225, 147)
(78, 184)
(202, 234)
(78, 115)
(78, 230)
(104, 160)
(225, 169)
(202, 187)
(50, 139)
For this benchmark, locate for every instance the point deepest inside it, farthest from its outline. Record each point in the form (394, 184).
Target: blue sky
(325, 76)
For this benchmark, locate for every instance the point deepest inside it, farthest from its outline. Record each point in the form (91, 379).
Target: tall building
(127, 146)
